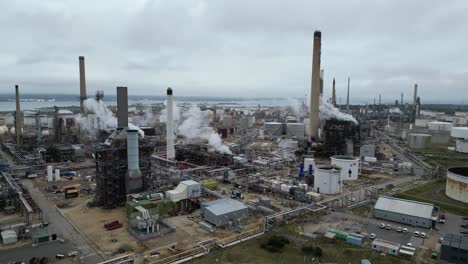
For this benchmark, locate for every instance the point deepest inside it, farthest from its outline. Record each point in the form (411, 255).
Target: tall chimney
(122, 107)
(134, 181)
(415, 97)
(401, 101)
(321, 82)
(18, 119)
(315, 88)
(170, 125)
(334, 93)
(380, 99)
(82, 84)
(347, 98)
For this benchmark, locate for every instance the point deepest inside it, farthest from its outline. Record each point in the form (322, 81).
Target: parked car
(409, 245)
(405, 230)
(388, 227)
(399, 229)
(372, 236)
(465, 226)
(442, 221)
(423, 235)
(73, 253)
(60, 256)
(416, 233)
(382, 225)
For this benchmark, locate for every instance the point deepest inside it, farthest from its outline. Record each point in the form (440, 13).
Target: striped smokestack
(315, 88)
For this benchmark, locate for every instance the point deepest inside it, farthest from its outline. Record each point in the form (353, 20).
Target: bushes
(311, 250)
(275, 243)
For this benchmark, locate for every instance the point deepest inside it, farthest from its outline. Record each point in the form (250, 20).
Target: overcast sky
(236, 48)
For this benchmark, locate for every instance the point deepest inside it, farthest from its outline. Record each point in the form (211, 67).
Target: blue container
(357, 241)
(301, 170)
(310, 169)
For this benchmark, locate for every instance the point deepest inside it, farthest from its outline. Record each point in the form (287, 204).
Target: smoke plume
(328, 111)
(192, 129)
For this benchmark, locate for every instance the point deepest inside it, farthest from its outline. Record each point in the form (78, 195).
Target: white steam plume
(103, 118)
(192, 129)
(328, 111)
(395, 110)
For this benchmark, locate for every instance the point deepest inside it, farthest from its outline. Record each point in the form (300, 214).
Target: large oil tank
(327, 179)
(349, 166)
(457, 183)
(419, 141)
(461, 134)
(295, 130)
(439, 126)
(439, 136)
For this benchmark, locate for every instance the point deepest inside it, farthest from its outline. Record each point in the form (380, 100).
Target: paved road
(28, 252)
(60, 226)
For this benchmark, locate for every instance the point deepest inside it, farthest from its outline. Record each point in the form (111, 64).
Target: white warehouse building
(405, 211)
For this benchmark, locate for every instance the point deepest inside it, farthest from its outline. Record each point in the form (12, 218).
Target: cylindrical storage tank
(439, 137)
(457, 183)
(459, 121)
(461, 145)
(327, 179)
(227, 121)
(57, 175)
(50, 174)
(419, 141)
(459, 132)
(132, 150)
(307, 163)
(295, 130)
(349, 166)
(421, 122)
(439, 126)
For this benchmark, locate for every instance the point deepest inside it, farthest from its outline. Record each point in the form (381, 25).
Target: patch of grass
(446, 207)
(275, 243)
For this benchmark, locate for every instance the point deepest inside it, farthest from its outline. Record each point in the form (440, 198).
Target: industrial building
(224, 212)
(454, 248)
(405, 211)
(385, 246)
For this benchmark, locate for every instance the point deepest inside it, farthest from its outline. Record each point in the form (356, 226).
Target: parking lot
(366, 226)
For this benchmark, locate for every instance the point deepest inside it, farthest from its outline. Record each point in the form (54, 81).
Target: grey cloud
(232, 48)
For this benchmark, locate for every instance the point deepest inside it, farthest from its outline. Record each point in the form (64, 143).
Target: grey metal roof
(385, 243)
(223, 206)
(406, 207)
(456, 241)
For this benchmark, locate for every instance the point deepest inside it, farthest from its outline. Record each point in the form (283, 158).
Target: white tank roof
(459, 132)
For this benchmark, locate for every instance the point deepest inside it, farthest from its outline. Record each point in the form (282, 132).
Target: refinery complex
(180, 183)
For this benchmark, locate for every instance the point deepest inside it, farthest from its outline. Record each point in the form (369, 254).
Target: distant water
(8, 104)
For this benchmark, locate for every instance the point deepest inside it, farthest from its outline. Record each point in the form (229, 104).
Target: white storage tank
(421, 122)
(439, 126)
(50, 174)
(457, 184)
(57, 175)
(419, 141)
(295, 130)
(307, 163)
(459, 121)
(439, 136)
(349, 166)
(327, 179)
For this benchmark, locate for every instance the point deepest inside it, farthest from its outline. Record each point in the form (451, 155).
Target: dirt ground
(91, 220)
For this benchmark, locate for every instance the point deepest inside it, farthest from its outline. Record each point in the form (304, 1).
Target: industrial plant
(173, 183)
